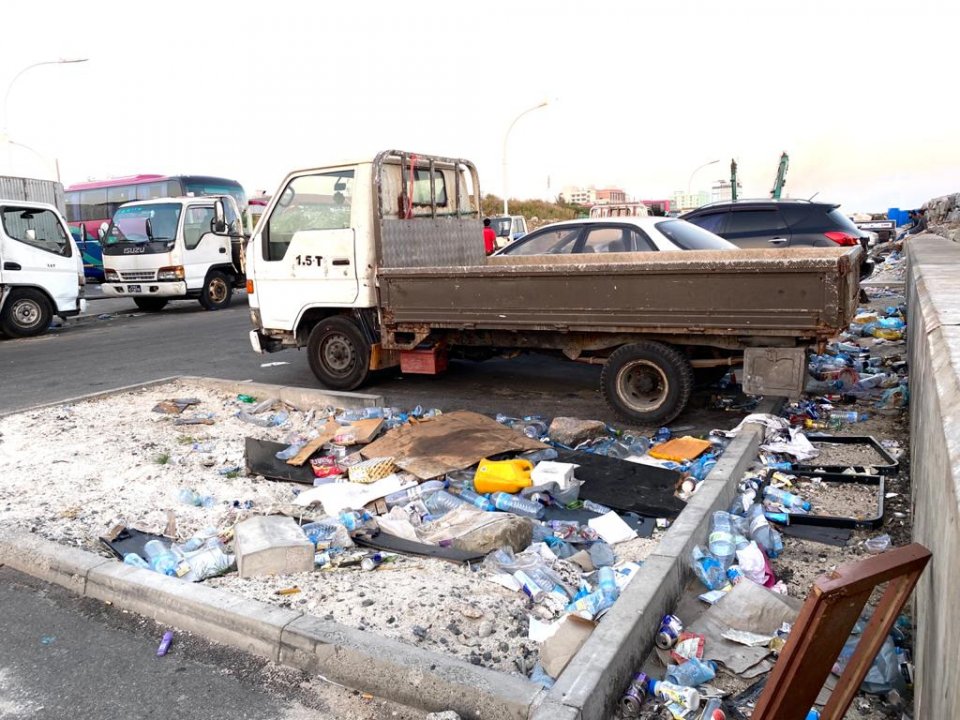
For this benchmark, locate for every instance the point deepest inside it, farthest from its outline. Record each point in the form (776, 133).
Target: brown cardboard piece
(448, 442)
(327, 434)
(558, 649)
(364, 430)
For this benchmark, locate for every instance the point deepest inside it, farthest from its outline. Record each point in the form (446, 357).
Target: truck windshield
(148, 228)
(501, 226)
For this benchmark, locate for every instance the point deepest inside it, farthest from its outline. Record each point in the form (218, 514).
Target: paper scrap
(539, 631)
(612, 528)
(344, 496)
(505, 580)
(747, 638)
(558, 649)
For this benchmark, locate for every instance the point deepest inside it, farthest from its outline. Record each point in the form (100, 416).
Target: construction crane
(781, 179)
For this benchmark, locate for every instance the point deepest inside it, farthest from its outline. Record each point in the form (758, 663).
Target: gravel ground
(434, 604)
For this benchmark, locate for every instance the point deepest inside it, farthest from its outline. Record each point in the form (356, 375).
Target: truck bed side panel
(790, 293)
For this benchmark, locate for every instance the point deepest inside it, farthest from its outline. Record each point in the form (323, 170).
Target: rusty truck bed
(808, 294)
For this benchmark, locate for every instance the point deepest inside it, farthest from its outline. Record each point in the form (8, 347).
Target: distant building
(683, 201)
(611, 196)
(722, 191)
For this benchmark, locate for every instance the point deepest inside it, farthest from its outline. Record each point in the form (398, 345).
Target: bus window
(93, 204)
(151, 191)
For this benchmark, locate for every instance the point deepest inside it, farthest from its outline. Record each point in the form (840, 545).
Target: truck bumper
(145, 289)
(264, 343)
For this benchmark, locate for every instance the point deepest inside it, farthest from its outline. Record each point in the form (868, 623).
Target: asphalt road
(115, 345)
(68, 657)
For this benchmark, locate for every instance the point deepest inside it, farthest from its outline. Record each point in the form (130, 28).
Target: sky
(640, 94)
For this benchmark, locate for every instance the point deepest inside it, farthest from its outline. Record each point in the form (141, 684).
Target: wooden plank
(327, 433)
(823, 626)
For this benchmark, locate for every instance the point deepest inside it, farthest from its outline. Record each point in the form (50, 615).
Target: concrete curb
(298, 397)
(388, 668)
(591, 684)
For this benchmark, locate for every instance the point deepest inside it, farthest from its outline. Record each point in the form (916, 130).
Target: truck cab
(167, 249)
(508, 228)
(41, 272)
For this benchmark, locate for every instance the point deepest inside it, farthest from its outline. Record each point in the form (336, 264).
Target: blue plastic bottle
(480, 501)
(517, 505)
(787, 499)
(607, 583)
(135, 560)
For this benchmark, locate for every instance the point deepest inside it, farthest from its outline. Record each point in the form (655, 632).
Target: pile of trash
(507, 497)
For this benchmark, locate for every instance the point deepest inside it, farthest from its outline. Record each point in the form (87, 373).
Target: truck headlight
(110, 275)
(174, 272)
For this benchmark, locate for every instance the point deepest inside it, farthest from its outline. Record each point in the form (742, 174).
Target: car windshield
(688, 236)
(501, 226)
(144, 224)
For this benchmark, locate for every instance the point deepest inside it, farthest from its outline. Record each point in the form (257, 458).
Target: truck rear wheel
(26, 313)
(339, 353)
(647, 382)
(217, 291)
(149, 304)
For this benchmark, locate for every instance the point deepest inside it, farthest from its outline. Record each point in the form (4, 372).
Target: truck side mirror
(219, 224)
(102, 231)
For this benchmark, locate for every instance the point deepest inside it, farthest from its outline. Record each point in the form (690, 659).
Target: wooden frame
(823, 626)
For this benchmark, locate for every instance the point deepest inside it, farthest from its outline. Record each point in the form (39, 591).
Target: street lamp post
(6, 97)
(506, 135)
(690, 181)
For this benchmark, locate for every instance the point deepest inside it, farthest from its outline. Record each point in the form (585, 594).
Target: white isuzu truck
(41, 271)
(167, 249)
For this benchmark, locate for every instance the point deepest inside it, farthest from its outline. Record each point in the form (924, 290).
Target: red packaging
(689, 645)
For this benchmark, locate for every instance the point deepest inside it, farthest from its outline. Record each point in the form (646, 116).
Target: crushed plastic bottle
(136, 561)
(787, 499)
(416, 492)
(274, 420)
(761, 533)
(441, 502)
(517, 505)
(691, 673)
(192, 497)
(535, 456)
(708, 569)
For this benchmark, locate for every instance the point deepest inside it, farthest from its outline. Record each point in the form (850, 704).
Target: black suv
(780, 224)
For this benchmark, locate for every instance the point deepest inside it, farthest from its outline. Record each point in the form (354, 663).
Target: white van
(41, 271)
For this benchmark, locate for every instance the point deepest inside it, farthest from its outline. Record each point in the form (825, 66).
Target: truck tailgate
(808, 293)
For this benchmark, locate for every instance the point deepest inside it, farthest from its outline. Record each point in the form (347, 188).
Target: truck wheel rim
(642, 386)
(337, 354)
(217, 290)
(26, 313)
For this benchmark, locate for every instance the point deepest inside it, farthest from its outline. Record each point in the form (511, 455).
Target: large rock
(272, 545)
(573, 431)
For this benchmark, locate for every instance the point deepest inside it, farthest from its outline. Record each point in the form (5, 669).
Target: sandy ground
(72, 472)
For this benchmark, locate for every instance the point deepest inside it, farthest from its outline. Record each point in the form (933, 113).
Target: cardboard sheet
(449, 442)
(565, 642)
(327, 434)
(364, 430)
(680, 449)
(749, 607)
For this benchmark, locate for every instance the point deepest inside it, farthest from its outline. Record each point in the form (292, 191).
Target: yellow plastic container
(508, 476)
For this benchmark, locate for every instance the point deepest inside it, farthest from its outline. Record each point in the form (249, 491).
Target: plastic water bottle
(702, 465)
(712, 710)
(787, 499)
(607, 583)
(517, 505)
(480, 501)
(686, 697)
(535, 429)
(135, 560)
(353, 415)
(536, 456)
(161, 558)
(596, 507)
(847, 416)
(416, 492)
(721, 541)
(352, 519)
(662, 435)
(691, 673)
(441, 502)
(707, 569)
(761, 532)
(290, 451)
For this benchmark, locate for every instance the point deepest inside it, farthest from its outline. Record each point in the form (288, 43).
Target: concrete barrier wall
(933, 300)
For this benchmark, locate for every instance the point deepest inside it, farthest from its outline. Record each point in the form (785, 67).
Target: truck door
(306, 254)
(201, 247)
(36, 250)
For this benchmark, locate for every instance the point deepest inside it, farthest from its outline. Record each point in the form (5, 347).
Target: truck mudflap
(263, 343)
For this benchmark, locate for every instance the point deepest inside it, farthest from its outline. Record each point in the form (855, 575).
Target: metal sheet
(774, 371)
(32, 190)
(431, 242)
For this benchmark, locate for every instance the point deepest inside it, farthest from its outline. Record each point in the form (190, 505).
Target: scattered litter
(165, 643)
(275, 363)
(612, 528)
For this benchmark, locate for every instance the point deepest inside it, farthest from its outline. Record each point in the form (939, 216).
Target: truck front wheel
(339, 354)
(26, 313)
(647, 382)
(217, 291)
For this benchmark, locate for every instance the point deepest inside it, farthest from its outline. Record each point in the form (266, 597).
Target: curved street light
(690, 181)
(6, 97)
(506, 135)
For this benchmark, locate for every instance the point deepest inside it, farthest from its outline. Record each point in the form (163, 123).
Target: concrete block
(48, 560)
(403, 673)
(552, 710)
(272, 545)
(311, 398)
(218, 615)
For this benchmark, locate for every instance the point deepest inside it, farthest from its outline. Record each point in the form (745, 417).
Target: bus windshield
(153, 228)
(215, 186)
